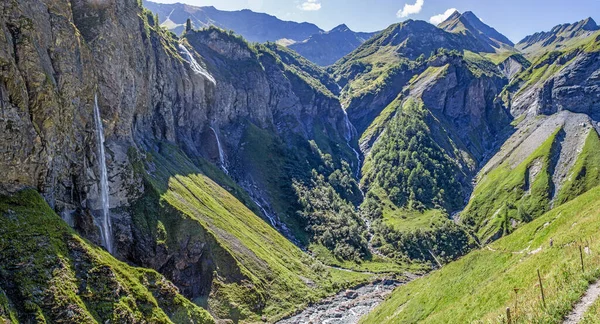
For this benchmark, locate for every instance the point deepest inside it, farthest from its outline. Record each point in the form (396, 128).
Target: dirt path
(346, 307)
(590, 296)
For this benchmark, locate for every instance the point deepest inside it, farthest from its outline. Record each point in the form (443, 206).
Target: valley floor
(347, 307)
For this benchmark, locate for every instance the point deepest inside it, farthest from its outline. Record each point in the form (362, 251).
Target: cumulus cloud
(438, 19)
(310, 5)
(410, 9)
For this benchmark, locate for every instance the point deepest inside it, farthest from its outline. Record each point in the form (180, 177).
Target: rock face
(328, 47)
(57, 55)
(575, 86)
(466, 100)
(255, 27)
(513, 65)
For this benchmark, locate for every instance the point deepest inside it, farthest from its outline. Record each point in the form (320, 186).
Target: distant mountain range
(559, 37)
(253, 26)
(328, 47)
(319, 46)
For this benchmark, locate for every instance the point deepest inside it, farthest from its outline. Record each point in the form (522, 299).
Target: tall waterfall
(350, 132)
(105, 224)
(221, 153)
(197, 68)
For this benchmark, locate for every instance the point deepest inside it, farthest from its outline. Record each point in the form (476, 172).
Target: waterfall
(221, 153)
(274, 221)
(197, 68)
(105, 225)
(271, 218)
(350, 132)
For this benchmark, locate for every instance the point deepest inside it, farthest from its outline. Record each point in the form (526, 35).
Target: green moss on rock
(50, 274)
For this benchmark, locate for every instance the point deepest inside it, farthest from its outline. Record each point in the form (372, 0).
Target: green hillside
(480, 286)
(259, 271)
(49, 274)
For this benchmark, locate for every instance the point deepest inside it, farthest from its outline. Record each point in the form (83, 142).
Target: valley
(168, 163)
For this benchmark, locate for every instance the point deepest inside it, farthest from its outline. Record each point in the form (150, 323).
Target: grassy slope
(501, 195)
(585, 174)
(274, 271)
(481, 285)
(48, 274)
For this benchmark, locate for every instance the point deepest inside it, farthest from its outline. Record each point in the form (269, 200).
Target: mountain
(377, 71)
(531, 195)
(182, 155)
(559, 37)
(253, 26)
(468, 22)
(155, 177)
(328, 47)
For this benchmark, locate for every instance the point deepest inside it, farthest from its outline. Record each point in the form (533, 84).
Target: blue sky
(513, 18)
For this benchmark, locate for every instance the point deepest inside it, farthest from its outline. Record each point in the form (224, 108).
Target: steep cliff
(235, 113)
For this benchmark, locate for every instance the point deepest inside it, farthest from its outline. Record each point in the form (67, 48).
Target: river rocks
(346, 307)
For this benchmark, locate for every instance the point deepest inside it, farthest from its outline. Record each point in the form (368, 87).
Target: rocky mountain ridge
(253, 26)
(557, 38)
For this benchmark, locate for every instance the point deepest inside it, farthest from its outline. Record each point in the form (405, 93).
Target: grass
(518, 120)
(259, 272)
(585, 173)
(504, 194)
(479, 287)
(498, 57)
(376, 265)
(50, 274)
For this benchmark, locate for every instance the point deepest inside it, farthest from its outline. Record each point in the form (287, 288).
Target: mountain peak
(589, 24)
(469, 22)
(340, 28)
(455, 15)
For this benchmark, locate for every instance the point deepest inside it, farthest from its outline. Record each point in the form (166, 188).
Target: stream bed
(348, 306)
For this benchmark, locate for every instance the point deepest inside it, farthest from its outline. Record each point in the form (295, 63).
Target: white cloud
(411, 9)
(438, 19)
(310, 5)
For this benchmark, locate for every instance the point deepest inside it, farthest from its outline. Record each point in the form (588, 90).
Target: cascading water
(221, 153)
(271, 218)
(105, 224)
(197, 68)
(350, 131)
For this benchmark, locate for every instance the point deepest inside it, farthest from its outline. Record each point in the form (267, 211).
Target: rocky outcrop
(513, 65)
(571, 82)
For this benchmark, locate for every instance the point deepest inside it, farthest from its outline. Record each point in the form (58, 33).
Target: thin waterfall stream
(197, 68)
(350, 131)
(105, 224)
(221, 152)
